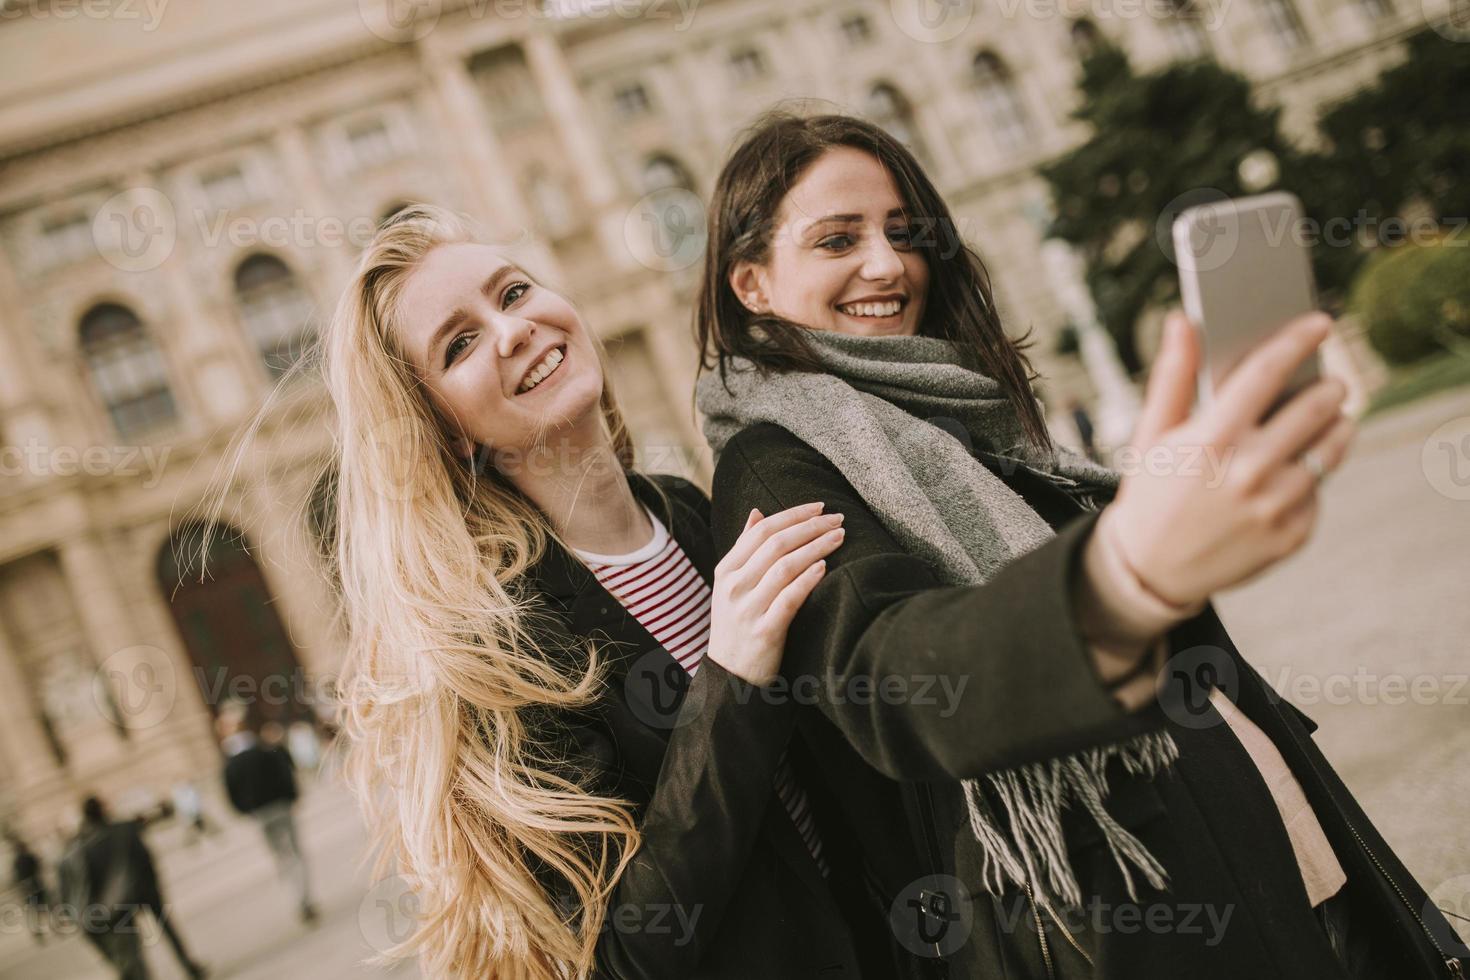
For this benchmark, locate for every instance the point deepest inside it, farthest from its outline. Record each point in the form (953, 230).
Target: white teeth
(889, 308)
(540, 371)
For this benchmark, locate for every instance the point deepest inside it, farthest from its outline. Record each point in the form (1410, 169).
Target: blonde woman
(559, 807)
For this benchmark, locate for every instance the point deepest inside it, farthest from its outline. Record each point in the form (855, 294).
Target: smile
(543, 370)
(873, 310)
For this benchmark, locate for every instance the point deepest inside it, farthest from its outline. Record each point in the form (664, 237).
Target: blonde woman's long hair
(443, 676)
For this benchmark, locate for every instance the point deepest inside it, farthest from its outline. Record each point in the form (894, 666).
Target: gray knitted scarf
(894, 415)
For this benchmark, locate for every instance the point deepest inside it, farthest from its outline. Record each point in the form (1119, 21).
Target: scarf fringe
(1026, 847)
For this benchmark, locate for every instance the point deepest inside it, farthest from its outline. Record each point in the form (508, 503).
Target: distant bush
(1415, 299)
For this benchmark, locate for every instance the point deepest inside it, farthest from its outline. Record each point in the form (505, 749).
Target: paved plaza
(1366, 630)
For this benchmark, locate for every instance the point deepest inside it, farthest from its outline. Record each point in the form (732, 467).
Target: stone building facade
(183, 188)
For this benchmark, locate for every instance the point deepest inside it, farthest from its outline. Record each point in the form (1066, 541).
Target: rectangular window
(631, 100)
(747, 65)
(68, 238)
(507, 88)
(370, 143)
(225, 187)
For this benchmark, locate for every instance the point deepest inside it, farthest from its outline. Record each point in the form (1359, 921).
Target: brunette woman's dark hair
(775, 152)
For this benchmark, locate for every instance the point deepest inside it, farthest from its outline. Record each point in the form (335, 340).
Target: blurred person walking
(26, 867)
(304, 745)
(107, 878)
(189, 810)
(261, 783)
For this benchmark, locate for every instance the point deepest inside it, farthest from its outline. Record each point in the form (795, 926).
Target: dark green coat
(890, 765)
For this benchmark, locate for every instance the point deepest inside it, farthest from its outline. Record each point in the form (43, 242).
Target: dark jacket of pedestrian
(257, 775)
(26, 868)
(108, 865)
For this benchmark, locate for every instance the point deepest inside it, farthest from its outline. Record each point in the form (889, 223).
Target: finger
(784, 607)
(790, 565)
(751, 519)
(1294, 485)
(1287, 491)
(1301, 422)
(756, 535)
(784, 542)
(1254, 384)
(1171, 382)
(1296, 526)
(1330, 449)
(1333, 448)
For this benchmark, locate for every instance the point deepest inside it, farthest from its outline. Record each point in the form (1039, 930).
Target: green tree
(1160, 143)
(1403, 140)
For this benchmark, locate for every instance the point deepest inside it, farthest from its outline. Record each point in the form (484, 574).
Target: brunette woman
(1053, 818)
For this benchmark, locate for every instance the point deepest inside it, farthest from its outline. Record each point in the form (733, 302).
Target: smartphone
(1244, 271)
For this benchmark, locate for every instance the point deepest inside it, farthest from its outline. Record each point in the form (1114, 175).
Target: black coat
(723, 885)
(108, 866)
(1030, 694)
(259, 775)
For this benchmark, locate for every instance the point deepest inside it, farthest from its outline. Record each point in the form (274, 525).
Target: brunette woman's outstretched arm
(958, 680)
(933, 681)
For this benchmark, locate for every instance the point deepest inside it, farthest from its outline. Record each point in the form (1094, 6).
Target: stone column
(142, 682)
(675, 357)
(574, 125)
(486, 169)
(27, 751)
(29, 412)
(295, 152)
(306, 606)
(1118, 404)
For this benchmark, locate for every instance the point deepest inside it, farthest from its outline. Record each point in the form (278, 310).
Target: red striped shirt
(660, 587)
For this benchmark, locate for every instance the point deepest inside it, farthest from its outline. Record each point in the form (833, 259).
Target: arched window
(671, 217)
(1185, 29)
(662, 172)
(889, 108)
(1000, 102)
(229, 622)
(127, 370)
(1085, 38)
(275, 310)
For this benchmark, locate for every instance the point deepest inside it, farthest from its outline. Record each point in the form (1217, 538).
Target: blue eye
(451, 352)
(519, 289)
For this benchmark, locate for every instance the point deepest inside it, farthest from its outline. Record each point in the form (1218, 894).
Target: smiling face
(504, 360)
(840, 257)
